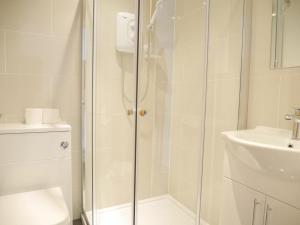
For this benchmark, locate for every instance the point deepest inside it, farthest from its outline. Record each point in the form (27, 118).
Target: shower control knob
(143, 112)
(64, 144)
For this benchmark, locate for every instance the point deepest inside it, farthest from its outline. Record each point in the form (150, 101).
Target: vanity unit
(261, 178)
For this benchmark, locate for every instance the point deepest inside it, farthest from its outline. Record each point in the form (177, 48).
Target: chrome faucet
(296, 123)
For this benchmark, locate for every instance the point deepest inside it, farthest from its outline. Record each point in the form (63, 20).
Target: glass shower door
(170, 105)
(114, 111)
(87, 112)
(147, 112)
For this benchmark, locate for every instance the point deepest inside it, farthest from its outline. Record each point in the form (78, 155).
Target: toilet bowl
(41, 207)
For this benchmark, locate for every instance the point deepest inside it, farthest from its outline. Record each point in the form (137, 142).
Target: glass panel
(222, 111)
(115, 91)
(171, 94)
(87, 115)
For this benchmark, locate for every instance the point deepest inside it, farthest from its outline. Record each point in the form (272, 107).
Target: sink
(266, 150)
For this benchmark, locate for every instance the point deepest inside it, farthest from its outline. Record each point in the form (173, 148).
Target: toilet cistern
(296, 123)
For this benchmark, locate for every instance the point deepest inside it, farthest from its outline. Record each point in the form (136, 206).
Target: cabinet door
(241, 205)
(278, 213)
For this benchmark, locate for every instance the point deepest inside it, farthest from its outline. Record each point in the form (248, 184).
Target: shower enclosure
(161, 80)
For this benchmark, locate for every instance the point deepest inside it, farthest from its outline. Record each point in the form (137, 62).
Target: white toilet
(35, 174)
(42, 207)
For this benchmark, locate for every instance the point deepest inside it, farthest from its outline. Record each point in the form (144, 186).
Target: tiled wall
(272, 93)
(40, 65)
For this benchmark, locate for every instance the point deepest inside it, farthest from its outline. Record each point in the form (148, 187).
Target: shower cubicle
(161, 80)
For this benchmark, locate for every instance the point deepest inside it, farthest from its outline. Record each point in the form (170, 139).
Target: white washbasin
(266, 150)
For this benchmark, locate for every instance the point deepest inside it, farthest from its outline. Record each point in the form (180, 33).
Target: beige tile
(123, 136)
(189, 43)
(226, 17)
(104, 129)
(188, 99)
(19, 92)
(144, 178)
(185, 8)
(225, 57)
(183, 187)
(116, 132)
(115, 96)
(185, 159)
(120, 192)
(66, 94)
(225, 39)
(223, 100)
(30, 53)
(66, 16)
(263, 101)
(26, 15)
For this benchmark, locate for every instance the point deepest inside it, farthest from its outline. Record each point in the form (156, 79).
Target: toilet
(41, 207)
(35, 175)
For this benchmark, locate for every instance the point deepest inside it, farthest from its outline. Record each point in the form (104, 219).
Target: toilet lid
(42, 207)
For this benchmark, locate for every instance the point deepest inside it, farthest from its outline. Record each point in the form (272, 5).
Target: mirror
(285, 51)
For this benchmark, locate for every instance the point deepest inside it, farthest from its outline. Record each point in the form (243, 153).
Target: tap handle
(297, 111)
(292, 116)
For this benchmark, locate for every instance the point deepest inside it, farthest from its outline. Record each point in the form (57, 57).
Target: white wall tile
(66, 16)
(40, 54)
(18, 92)
(26, 15)
(263, 101)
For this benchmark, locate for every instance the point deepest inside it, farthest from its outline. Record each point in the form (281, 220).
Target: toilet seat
(41, 207)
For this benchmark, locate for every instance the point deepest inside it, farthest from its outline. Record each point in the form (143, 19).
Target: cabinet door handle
(255, 203)
(269, 209)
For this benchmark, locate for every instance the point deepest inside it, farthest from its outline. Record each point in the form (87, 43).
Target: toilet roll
(33, 116)
(51, 116)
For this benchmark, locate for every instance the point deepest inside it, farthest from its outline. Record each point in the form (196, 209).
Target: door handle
(142, 112)
(255, 204)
